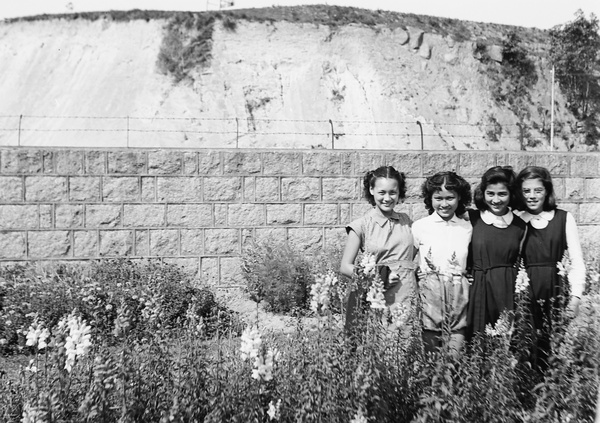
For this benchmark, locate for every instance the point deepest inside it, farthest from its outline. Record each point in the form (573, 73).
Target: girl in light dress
(551, 232)
(387, 235)
(442, 239)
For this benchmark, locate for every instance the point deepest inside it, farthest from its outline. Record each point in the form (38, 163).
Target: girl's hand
(394, 278)
(420, 274)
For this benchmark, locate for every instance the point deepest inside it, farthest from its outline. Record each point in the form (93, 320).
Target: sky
(542, 14)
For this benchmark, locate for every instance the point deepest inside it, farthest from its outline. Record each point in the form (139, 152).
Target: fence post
(332, 135)
(127, 131)
(19, 135)
(237, 132)
(421, 127)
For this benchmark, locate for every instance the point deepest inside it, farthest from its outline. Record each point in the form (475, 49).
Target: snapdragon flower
(369, 265)
(273, 410)
(522, 282)
(37, 335)
(78, 340)
(263, 366)
(251, 343)
(319, 291)
(359, 417)
(375, 295)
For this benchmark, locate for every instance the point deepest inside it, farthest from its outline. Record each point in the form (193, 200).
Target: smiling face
(445, 203)
(534, 195)
(386, 194)
(497, 198)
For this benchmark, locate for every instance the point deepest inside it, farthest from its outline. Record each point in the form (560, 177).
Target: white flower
(273, 411)
(319, 291)
(368, 264)
(37, 335)
(522, 282)
(32, 367)
(359, 417)
(375, 295)
(32, 415)
(251, 343)
(78, 340)
(263, 366)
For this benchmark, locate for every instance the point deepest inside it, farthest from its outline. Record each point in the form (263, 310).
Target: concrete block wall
(198, 208)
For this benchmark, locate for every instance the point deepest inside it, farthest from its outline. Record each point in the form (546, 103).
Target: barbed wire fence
(229, 132)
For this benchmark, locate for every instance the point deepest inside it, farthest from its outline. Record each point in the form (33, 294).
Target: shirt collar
(498, 221)
(538, 221)
(437, 218)
(382, 219)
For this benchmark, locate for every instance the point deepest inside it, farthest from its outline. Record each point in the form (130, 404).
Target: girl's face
(445, 203)
(386, 194)
(534, 195)
(497, 197)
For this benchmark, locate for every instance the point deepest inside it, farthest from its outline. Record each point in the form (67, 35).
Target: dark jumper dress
(492, 254)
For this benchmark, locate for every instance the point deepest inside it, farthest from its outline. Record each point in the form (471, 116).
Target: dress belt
(403, 264)
(541, 264)
(486, 269)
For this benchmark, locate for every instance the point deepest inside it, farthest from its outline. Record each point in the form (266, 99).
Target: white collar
(498, 221)
(437, 218)
(538, 221)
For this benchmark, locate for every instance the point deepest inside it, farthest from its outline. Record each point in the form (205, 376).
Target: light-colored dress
(444, 291)
(390, 240)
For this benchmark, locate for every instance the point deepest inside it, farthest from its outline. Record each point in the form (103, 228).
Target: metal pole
(332, 135)
(127, 131)
(19, 136)
(421, 127)
(237, 132)
(552, 113)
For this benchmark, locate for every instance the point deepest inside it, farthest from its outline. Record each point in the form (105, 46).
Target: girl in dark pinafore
(494, 250)
(550, 233)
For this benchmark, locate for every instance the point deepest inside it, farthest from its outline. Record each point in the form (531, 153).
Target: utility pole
(552, 113)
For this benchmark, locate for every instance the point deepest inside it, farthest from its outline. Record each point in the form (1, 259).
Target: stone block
(84, 188)
(120, 188)
(247, 237)
(190, 163)
(13, 245)
(271, 235)
(300, 189)
(495, 52)
(277, 163)
(589, 213)
(574, 188)
(164, 242)
(345, 213)
(341, 189)
(321, 214)
(231, 271)
(142, 242)
(143, 215)
(127, 162)
(85, 244)
(209, 163)
(165, 162)
(572, 208)
(425, 51)
(266, 189)
(209, 271)
(284, 214)
(347, 166)
(189, 215)
(418, 211)
(220, 214)
(307, 240)
(335, 240)
(415, 37)
(48, 160)
(249, 189)
(246, 215)
(49, 244)
(359, 210)
(46, 215)
(95, 162)
(178, 189)
(221, 241)
(585, 165)
(321, 163)
(592, 189)
(69, 162)
(148, 189)
(241, 163)
(192, 242)
(22, 161)
(519, 161)
(413, 189)
(475, 164)
(408, 163)
(11, 189)
(19, 216)
(222, 188)
(556, 163)
(589, 237)
(46, 188)
(559, 188)
(187, 265)
(439, 162)
(68, 215)
(102, 215)
(116, 243)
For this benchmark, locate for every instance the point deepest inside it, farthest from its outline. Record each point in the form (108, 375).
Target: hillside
(273, 77)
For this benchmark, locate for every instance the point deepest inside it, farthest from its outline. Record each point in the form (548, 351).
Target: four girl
(491, 238)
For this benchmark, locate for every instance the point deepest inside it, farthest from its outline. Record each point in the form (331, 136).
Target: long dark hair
(383, 172)
(541, 173)
(496, 175)
(452, 182)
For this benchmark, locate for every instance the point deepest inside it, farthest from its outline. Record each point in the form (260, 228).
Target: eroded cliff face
(267, 85)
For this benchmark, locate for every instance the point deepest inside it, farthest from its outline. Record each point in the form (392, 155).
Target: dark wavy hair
(541, 173)
(383, 172)
(496, 175)
(452, 182)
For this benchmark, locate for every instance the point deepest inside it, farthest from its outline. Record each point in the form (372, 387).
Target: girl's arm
(577, 272)
(350, 253)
